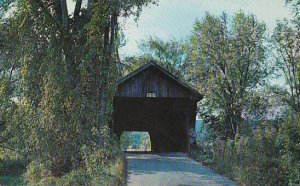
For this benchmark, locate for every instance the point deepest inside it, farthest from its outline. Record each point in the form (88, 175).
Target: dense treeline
(229, 59)
(57, 75)
(250, 125)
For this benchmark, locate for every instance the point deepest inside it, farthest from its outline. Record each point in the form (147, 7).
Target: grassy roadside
(206, 160)
(11, 168)
(13, 172)
(11, 180)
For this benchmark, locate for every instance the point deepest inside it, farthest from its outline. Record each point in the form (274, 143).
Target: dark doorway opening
(167, 120)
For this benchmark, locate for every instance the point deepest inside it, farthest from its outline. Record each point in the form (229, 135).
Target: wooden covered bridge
(152, 100)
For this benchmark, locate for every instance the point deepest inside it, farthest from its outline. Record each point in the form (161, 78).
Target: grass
(11, 180)
(11, 168)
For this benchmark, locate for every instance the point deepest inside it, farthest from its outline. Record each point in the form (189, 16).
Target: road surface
(173, 169)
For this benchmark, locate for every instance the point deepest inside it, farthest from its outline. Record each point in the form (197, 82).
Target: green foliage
(171, 55)
(97, 169)
(11, 180)
(270, 157)
(57, 81)
(203, 153)
(135, 141)
(295, 6)
(12, 166)
(266, 149)
(9, 76)
(126, 140)
(285, 44)
(228, 56)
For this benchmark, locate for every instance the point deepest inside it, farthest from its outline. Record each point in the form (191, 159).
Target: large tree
(171, 55)
(286, 47)
(67, 64)
(229, 61)
(9, 76)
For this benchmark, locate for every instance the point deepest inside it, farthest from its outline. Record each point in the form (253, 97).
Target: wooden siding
(152, 80)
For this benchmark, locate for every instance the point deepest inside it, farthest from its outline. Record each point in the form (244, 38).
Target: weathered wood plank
(153, 80)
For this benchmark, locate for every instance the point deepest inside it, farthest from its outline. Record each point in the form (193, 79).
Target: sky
(174, 19)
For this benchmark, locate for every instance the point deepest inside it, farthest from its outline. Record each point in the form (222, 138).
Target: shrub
(270, 156)
(98, 167)
(11, 164)
(12, 167)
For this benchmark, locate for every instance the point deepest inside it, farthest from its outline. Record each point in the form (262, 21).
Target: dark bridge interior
(152, 100)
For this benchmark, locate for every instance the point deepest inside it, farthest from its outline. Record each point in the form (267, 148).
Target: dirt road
(173, 169)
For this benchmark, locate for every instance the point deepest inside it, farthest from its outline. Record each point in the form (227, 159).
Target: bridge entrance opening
(135, 141)
(153, 100)
(163, 118)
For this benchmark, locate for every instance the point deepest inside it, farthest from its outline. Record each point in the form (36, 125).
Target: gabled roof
(168, 74)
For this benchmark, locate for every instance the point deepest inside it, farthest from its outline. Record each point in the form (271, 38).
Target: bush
(269, 157)
(12, 167)
(98, 167)
(202, 153)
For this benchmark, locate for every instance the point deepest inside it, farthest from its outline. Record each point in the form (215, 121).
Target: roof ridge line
(152, 63)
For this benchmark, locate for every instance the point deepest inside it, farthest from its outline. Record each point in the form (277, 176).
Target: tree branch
(64, 15)
(46, 12)
(77, 9)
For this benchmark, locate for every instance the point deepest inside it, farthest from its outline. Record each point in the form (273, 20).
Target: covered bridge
(152, 100)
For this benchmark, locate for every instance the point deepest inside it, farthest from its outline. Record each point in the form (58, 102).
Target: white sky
(175, 18)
